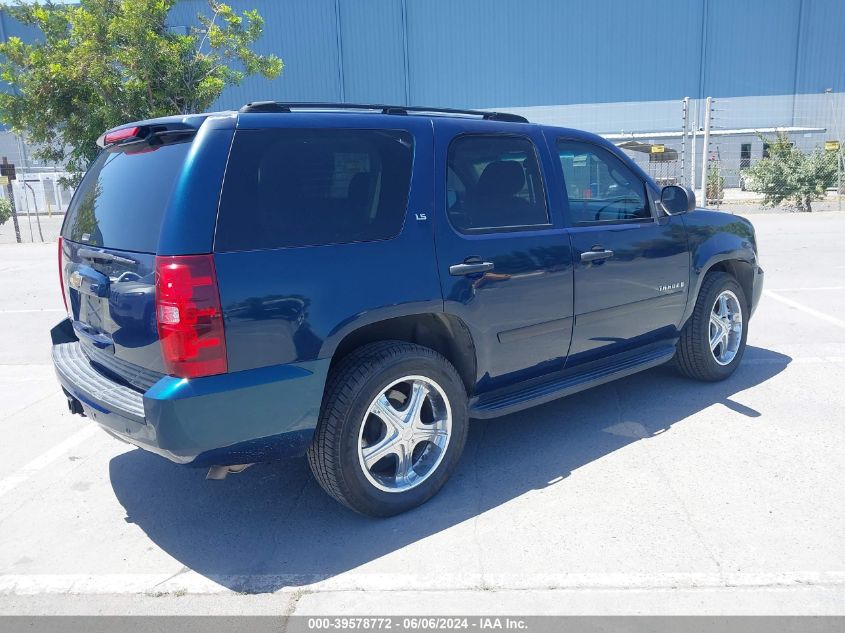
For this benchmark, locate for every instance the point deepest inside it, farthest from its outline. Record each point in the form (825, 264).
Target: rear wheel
(392, 427)
(713, 340)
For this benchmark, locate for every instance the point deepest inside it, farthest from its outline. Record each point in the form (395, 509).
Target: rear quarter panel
(192, 213)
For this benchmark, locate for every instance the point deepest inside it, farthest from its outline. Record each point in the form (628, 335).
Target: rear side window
(121, 201)
(295, 187)
(493, 182)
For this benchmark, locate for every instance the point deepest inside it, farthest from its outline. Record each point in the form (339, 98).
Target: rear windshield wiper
(87, 253)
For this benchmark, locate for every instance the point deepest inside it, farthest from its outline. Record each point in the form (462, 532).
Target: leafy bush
(715, 184)
(788, 174)
(5, 210)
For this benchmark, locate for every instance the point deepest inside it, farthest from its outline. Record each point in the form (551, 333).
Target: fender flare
(707, 256)
(413, 323)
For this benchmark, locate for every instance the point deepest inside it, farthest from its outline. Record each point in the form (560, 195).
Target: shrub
(788, 174)
(5, 210)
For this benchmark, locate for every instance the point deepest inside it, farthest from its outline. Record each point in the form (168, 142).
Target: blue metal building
(611, 66)
(500, 53)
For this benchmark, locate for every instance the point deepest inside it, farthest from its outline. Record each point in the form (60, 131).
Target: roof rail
(279, 106)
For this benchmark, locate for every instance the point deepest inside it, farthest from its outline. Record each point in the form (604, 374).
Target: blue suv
(354, 282)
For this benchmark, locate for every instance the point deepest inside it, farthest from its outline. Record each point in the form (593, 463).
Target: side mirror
(677, 199)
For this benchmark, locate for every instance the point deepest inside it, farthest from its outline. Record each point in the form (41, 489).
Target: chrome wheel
(404, 434)
(725, 327)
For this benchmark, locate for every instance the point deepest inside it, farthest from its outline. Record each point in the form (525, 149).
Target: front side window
(298, 187)
(599, 186)
(494, 183)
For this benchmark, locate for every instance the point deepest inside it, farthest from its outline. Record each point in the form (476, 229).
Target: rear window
(295, 187)
(121, 200)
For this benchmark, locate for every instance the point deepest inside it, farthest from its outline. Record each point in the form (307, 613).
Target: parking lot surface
(654, 494)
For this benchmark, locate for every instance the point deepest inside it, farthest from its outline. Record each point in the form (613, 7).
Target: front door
(504, 259)
(631, 265)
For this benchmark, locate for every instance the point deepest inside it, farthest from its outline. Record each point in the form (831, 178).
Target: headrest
(359, 187)
(501, 178)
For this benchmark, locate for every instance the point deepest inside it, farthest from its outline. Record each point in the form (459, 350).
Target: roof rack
(279, 106)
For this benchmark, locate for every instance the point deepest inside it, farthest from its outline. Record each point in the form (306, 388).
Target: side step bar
(567, 382)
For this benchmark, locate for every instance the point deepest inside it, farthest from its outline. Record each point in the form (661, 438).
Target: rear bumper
(239, 418)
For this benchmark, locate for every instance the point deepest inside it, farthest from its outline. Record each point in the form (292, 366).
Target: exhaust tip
(217, 473)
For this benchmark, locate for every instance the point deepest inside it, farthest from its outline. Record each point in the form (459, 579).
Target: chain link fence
(750, 154)
(41, 201)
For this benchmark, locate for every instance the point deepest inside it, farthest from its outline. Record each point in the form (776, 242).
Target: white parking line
(803, 308)
(33, 310)
(804, 360)
(803, 289)
(45, 459)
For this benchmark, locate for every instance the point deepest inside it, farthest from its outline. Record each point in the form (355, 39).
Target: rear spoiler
(143, 132)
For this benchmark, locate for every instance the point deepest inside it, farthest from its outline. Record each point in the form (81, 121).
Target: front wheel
(713, 340)
(392, 427)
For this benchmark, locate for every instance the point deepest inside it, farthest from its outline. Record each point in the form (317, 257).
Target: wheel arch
(444, 333)
(733, 264)
(740, 270)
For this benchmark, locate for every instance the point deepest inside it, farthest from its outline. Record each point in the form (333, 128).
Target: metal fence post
(11, 194)
(684, 141)
(693, 134)
(704, 150)
(840, 159)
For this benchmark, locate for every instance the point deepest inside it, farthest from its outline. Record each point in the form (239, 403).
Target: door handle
(470, 266)
(595, 255)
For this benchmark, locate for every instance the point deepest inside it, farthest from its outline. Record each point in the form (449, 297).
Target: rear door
(504, 257)
(322, 229)
(631, 264)
(110, 239)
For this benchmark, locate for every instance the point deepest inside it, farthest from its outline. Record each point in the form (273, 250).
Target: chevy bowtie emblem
(75, 280)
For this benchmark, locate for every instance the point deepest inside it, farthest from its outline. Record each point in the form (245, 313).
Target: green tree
(106, 62)
(788, 174)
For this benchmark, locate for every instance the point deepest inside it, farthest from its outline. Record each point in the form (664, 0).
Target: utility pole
(704, 150)
(684, 141)
(7, 170)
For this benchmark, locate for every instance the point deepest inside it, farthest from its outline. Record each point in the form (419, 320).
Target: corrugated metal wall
(506, 54)
(500, 53)
(488, 53)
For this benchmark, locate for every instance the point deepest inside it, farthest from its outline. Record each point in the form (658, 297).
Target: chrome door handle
(594, 256)
(470, 267)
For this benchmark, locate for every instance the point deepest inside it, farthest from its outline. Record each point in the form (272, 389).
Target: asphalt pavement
(654, 494)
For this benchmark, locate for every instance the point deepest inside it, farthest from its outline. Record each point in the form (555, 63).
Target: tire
(349, 432)
(694, 357)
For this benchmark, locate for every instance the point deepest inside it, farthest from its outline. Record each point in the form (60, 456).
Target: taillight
(190, 320)
(62, 272)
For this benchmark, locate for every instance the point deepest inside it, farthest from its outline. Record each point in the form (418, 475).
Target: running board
(546, 389)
